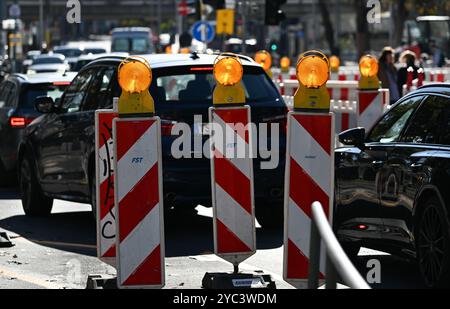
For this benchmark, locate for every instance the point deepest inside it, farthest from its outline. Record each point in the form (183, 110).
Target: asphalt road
(59, 251)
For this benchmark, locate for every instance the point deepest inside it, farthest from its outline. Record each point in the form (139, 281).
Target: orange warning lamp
(285, 64)
(185, 51)
(368, 67)
(335, 63)
(265, 60)
(228, 72)
(313, 72)
(135, 77)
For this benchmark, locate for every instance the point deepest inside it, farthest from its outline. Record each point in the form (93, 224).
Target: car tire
(269, 218)
(433, 244)
(34, 202)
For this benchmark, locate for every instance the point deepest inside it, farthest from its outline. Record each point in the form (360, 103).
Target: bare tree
(362, 27)
(329, 30)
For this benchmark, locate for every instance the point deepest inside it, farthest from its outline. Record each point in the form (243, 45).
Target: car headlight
(31, 72)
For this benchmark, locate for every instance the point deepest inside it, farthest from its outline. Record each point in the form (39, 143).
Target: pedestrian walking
(388, 73)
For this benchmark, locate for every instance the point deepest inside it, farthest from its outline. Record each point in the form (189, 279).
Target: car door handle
(416, 166)
(378, 164)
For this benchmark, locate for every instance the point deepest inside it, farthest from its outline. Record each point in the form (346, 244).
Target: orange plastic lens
(135, 76)
(285, 62)
(312, 72)
(264, 59)
(368, 66)
(228, 71)
(335, 63)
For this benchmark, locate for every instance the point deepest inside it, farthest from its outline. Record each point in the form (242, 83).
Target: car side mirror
(353, 137)
(44, 105)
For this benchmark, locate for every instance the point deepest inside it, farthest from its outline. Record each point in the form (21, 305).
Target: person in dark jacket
(408, 58)
(388, 73)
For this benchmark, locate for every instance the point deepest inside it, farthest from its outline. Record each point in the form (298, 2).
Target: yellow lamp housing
(228, 73)
(335, 63)
(135, 77)
(285, 64)
(264, 58)
(368, 67)
(313, 72)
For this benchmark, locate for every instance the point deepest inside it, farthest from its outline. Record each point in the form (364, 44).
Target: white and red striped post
(309, 176)
(139, 203)
(139, 182)
(104, 162)
(232, 184)
(371, 106)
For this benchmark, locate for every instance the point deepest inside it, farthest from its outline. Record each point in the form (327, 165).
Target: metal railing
(337, 260)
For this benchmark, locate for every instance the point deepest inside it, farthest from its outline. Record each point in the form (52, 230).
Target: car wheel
(34, 202)
(268, 217)
(433, 244)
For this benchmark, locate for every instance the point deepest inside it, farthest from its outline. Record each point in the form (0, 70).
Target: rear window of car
(31, 92)
(69, 52)
(50, 60)
(196, 84)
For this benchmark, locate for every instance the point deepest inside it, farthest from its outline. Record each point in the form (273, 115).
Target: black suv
(392, 188)
(17, 95)
(57, 153)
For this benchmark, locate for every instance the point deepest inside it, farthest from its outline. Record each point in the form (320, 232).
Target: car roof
(66, 48)
(53, 55)
(435, 88)
(102, 55)
(158, 61)
(44, 78)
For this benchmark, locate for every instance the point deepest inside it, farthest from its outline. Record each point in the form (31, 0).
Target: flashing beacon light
(264, 58)
(368, 67)
(285, 64)
(228, 72)
(335, 63)
(313, 72)
(135, 77)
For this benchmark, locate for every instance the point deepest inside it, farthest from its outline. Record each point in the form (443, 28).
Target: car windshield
(69, 52)
(138, 45)
(31, 92)
(48, 60)
(94, 51)
(196, 84)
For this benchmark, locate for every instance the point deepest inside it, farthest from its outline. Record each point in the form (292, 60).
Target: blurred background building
(335, 26)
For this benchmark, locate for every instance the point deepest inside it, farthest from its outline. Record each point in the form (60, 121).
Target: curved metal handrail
(321, 230)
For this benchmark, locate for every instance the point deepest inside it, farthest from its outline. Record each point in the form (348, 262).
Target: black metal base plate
(227, 281)
(5, 242)
(101, 282)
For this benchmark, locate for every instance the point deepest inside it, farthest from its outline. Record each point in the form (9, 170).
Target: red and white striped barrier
(309, 178)
(139, 203)
(232, 184)
(371, 106)
(345, 115)
(104, 161)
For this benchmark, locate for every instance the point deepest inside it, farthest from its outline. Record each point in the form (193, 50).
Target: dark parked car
(57, 154)
(392, 187)
(17, 95)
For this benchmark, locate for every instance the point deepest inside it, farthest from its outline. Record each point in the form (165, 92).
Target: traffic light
(274, 14)
(216, 4)
(274, 46)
